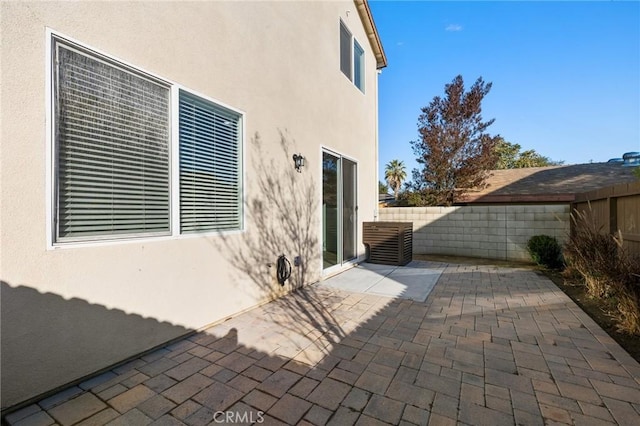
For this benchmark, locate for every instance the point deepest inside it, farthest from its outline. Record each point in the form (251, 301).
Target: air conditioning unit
(388, 243)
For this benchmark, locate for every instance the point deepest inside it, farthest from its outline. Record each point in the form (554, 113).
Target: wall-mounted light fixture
(298, 162)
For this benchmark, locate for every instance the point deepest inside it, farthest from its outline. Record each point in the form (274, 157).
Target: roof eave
(372, 33)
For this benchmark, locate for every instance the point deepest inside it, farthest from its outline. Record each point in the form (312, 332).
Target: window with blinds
(210, 166)
(111, 142)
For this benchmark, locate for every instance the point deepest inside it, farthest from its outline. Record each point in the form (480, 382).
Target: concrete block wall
(494, 232)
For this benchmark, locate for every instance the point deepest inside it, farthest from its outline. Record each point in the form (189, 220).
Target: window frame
(344, 29)
(52, 242)
(216, 108)
(358, 56)
(57, 189)
(353, 46)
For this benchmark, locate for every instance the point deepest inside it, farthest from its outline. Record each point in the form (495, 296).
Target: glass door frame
(341, 263)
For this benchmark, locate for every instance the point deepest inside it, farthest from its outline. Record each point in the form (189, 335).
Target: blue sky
(566, 75)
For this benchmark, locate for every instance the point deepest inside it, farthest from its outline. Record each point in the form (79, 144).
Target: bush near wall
(545, 251)
(608, 270)
(490, 232)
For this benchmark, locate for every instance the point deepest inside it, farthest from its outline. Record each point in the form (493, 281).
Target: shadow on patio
(489, 346)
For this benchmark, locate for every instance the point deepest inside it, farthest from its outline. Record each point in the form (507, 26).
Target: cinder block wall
(494, 232)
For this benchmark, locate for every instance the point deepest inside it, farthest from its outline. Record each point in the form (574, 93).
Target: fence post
(612, 202)
(572, 226)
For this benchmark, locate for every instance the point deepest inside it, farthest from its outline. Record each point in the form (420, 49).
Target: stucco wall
(494, 232)
(69, 311)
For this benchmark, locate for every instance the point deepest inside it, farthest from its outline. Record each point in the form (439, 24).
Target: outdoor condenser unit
(388, 243)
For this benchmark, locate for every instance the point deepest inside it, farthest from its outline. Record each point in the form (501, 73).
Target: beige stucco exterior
(69, 311)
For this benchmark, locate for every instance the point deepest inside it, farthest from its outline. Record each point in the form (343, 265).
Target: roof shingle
(549, 184)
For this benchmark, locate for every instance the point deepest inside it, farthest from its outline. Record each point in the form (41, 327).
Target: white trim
(352, 53)
(338, 269)
(142, 240)
(376, 209)
(350, 76)
(363, 74)
(135, 68)
(332, 270)
(243, 187)
(83, 46)
(174, 152)
(49, 120)
(320, 210)
(208, 98)
(174, 158)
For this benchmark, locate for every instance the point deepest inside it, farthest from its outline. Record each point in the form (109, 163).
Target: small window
(351, 58)
(210, 166)
(358, 65)
(111, 142)
(345, 51)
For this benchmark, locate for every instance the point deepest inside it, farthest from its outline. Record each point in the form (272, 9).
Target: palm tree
(394, 174)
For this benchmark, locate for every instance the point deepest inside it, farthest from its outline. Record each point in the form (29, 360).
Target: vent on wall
(388, 243)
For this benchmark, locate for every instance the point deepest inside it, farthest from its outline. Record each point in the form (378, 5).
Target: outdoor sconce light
(298, 162)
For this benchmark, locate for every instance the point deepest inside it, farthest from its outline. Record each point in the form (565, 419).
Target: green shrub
(545, 251)
(419, 198)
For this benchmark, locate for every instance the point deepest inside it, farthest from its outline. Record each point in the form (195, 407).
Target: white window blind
(345, 51)
(112, 149)
(210, 166)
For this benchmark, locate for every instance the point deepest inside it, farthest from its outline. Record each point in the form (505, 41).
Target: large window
(112, 144)
(351, 58)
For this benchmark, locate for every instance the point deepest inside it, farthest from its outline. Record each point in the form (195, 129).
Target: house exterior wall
(69, 311)
(494, 232)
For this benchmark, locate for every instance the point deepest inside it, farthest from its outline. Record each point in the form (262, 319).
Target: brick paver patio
(490, 346)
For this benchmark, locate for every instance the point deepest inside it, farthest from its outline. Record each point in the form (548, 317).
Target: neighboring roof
(549, 184)
(372, 33)
(385, 198)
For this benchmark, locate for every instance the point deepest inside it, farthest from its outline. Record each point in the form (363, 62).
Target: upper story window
(345, 51)
(112, 144)
(358, 65)
(351, 57)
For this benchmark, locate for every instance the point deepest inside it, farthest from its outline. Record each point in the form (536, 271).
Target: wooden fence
(613, 209)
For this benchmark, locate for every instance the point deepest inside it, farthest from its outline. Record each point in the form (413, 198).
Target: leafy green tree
(383, 188)
(395, 174)
(510, 157)
(410, 198)
(507, 154)
(636, 172)
(454, 148)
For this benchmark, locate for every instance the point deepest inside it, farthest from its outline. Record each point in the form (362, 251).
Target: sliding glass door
(349, 210)
(339, 210)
